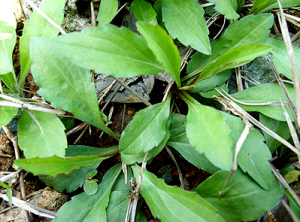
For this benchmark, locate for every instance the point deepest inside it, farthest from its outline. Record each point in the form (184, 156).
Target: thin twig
(289, 210)
(93, 14)
(22, 9)
(181, 179)
(29, 207)
(46, 17)
(12, 175)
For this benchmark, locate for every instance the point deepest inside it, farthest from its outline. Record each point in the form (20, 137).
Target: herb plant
(241, 186)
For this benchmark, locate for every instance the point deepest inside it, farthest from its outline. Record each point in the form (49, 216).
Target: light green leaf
(209, 133)
(107, 11)
(76, 179)
(90, 187)
(54, 166)
(271, 4)
(227, 8)
(143, 11)
(185, 20)
(7, 113)
(38, 26)
(242, 199)
(279, 127)
(147, 129)
(9, 80)
(163, 48)
(233, 58)
(7, 38)
(138, 158)
(179, 141)
(42, 137)
(271, 93)
(252, 29)
(254, 155)
(101, 48)
(76, 93)
(170, 203)
(280, 57)
(84, 208)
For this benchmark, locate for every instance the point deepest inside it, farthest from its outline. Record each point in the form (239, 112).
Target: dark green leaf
(108, 10)
(242, 199)
(184, 20)
(9, 80)
(163, 48)
(76, 93)
(84, 208)
(102, 48)
(272, 93)
(39, 27)
(227, 8)
(209, 133)
(53, 166)
(118, 201)
(293, 203)
(179, 141)
(170, 203)
(43, 137)
(147, 129)
(143, 11)
(279, 127)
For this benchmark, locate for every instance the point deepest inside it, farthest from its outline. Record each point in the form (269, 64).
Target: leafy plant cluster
(224, 145)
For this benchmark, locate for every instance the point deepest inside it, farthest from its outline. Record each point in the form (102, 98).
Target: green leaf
(138, 158)
(185, 20)
(101, 48)
(42, 137)
(90, 187)
(76, 93)
(242, 199)
(280, 58)
(211, 93)
(272, 93)
(118, 200)
(279, 127)
(54, 166)
(252, 29)
(227, 8)
(292, 176)
(40, 27)
(108, 10)
(7, 113)
(233, 58)
(76, 179)
(170, 203)
(254, 155)
(209, 133)
(143, 11)
(163, 48)
(84, 208)
(179, 141)
(267, 5)
(7, 38)
(147, 129)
